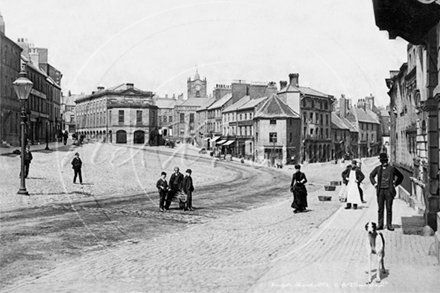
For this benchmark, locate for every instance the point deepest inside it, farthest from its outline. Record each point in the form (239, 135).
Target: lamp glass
(22, 87)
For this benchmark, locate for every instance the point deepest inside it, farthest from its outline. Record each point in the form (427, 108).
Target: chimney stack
(294, 79)
(100, 88)
(2, 25)
(343, 107)
(35, 57)
(130, 85)
(283, 84)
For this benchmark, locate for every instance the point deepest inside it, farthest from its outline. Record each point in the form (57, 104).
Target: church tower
(196, 87)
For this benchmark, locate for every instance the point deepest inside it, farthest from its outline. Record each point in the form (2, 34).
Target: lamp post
(22, 87)
(47, 138)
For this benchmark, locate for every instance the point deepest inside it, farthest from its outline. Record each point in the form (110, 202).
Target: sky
(334, 45)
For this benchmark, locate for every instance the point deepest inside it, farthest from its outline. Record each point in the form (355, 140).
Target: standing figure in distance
(299, 190)
(27, 161)
(76, 166)
(188, 188)
(388, 177)
(176, 181)
(65, 136)
(162, 187)
(355, 177)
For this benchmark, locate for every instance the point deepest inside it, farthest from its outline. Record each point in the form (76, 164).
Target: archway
(121, 136)
(139, 137)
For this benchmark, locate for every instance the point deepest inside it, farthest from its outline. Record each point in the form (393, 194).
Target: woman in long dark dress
(299, 190)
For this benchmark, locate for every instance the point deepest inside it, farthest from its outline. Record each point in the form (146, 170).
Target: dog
(375, 245)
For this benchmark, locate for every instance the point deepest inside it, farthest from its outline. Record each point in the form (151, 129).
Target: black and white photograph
(219, 146)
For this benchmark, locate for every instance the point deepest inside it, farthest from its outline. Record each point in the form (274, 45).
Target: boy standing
(76, 166)
(162, 187)
(188, 188)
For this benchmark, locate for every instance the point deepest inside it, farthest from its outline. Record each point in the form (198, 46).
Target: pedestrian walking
(361, 191)
(76, 166)
(298, 188)
(188, 189)
(353, 177)
(162, 187)
(65, 137)
(176, 181)
(385, 178)
(27, 161)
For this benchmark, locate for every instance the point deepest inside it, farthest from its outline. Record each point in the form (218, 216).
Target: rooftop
(274, 107)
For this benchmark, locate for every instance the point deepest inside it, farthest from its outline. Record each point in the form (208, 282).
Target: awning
(206, 138)
(215, 138)
(220, 142)
(229, 142)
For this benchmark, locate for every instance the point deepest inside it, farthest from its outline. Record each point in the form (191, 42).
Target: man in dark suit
(162, 187)
(388, 177)
(175, 185)
(27, 160)
(188, 188)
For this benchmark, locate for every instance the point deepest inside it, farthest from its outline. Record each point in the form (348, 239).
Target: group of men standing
(178, 183)
(385, 178)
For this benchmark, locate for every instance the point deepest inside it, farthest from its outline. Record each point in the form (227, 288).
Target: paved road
(225, 254)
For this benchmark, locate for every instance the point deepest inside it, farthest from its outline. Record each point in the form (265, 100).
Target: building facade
(423, 91)
(9, 105)
(122, 114)
(277, 128)
(315, 108)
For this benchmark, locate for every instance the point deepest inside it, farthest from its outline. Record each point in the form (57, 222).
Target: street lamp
(47, 139)
(22, 87)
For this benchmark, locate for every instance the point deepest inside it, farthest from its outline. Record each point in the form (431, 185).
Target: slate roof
(236, 105)
(274, 107)
(209, 102)
(164, 103)
(251, 103)
(220, 102)
(350, 125)
(366, 116)
(304, 90)
(195, 102)
(338, 123)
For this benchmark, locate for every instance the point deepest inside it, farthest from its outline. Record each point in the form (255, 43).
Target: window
(241, 116)
(164, 119)
(326, 120)
(322, 120)
(139, 117)
(72, 118)
(326, 133)
(182, 117)
(245, 116)
(273, 137)
(273, 121)
(290, 137)
(250, 115)
(311, 131)
(121, 116)
(311, 117)
(191, 118)
(171, 118)
(305, 117)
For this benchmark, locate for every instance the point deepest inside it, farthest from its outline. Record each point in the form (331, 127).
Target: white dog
(375, 245)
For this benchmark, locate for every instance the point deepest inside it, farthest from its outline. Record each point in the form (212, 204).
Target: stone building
(9, 105)
(121, 114)
(340, 136)
(68, 112)
(186, 127)
(414, 101)
(44, 103)
(166, 114)
(277, 128)
(315, 108)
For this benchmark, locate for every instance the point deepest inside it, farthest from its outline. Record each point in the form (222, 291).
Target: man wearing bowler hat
(388, 177)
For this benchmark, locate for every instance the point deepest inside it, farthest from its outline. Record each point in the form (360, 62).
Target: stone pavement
(335, 258)
(267, 249)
